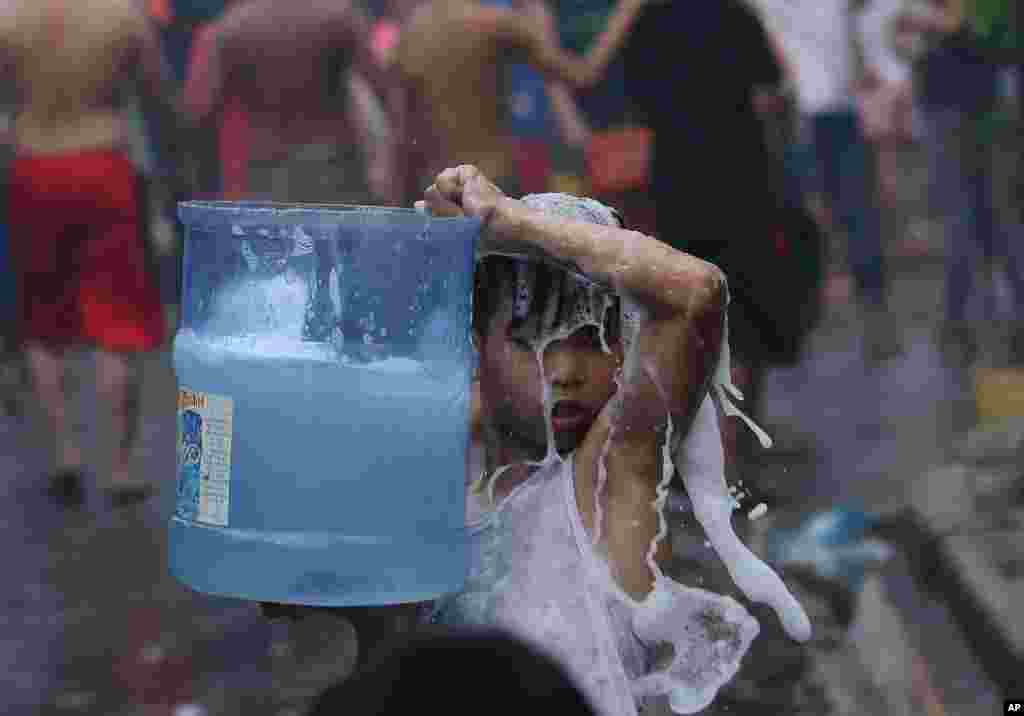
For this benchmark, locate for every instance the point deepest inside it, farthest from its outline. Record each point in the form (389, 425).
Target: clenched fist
(462, 191)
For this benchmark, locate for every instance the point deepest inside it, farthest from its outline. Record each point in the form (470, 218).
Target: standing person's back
(76, 208)
(452, 54)
(71, 59)
(455, 69)
(277, 77)
(275, 55)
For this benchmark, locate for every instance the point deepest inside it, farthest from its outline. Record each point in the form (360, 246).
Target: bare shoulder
(17, 16)
(119, 19)
(500, 23)
(7, 22)
(124, 22)
(25, 22)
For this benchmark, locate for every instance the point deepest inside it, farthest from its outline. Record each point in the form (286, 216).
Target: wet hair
(500, 278)
(463, 671)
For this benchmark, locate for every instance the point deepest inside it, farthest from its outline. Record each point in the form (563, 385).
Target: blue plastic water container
(323, 360)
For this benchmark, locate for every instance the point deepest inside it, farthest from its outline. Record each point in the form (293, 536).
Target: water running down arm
(671, 344)
(682, 297)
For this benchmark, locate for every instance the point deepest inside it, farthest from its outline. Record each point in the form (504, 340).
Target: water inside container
(323, 361)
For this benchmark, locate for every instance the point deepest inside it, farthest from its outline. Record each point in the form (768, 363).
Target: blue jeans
(962, 194)
(839, 166)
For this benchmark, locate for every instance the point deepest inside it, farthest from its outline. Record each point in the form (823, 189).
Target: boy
(586, 388)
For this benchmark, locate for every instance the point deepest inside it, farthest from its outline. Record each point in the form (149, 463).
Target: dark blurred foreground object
(376, 627)
(455, 671)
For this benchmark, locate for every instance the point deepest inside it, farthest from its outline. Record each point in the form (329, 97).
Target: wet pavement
(93, 623)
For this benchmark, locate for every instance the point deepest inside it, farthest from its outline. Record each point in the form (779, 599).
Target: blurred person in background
(76, 210)
(274, 78)
(712, 157)
(885, 100)
(529, 114)
(181, 23)
(453, 55)
(606, 140)
(824, 50)
(959, 47)
(9, 354)
(175, 23)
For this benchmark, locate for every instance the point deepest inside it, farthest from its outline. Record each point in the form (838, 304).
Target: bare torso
(453, 68)
(70, 61)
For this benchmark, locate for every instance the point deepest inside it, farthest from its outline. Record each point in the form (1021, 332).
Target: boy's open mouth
(569, 415)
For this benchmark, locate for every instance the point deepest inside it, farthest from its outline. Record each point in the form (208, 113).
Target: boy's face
(580, 373)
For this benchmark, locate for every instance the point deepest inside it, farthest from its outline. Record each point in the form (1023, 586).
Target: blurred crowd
(790, 139)
(748, 132)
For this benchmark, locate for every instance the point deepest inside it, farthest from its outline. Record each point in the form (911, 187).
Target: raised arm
(571, 123)
(681, 297)
(533, 31)
(680, 300)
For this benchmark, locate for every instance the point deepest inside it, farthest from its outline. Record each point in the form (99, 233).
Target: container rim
(202, 210)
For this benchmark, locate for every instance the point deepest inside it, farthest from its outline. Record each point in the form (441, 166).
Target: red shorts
(77, 248)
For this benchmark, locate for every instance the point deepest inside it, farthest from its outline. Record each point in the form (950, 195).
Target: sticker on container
(204, 457)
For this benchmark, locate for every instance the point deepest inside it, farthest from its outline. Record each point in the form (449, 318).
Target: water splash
(700, 459)
(262, 306)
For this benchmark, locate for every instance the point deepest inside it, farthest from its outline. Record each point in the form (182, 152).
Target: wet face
(581, 375)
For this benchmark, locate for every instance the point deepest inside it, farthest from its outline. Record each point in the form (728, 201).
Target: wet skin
(73, 61)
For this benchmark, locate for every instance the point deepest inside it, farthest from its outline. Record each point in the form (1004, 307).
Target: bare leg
(118, 387)
(12, 375)
(48, 372)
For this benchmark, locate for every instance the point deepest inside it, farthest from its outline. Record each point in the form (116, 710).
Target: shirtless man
(293, 74)
(451, 55)
(76, 214)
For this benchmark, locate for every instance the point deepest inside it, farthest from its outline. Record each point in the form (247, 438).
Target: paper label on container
(204, 457)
